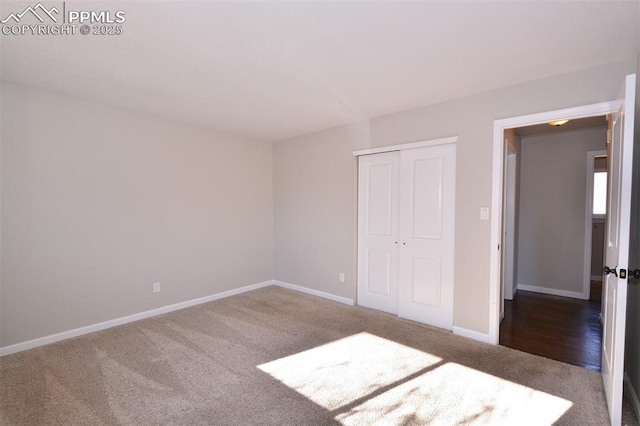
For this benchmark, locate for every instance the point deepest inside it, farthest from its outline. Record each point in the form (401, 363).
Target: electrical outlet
(341, 277)
(156, 287)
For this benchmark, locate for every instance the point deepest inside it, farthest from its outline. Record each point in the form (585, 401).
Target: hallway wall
(553, 196)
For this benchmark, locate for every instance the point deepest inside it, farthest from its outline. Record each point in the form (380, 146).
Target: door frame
(497, 193)
(588, 225)
(509, 209)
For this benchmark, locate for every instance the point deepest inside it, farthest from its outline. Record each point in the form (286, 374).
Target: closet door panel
(426, 281)
(378, 221)
(427, 212)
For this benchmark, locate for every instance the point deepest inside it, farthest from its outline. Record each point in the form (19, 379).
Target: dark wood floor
(559, 328)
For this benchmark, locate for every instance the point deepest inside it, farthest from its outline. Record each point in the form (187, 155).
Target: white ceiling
(273, 70)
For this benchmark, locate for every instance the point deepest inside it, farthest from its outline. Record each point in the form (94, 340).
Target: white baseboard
(552, 291)
(482, 337)
(318, 293)
(596, 278)
(632, 394)
(41, 341)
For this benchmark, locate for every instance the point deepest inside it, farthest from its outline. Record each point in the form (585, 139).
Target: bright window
(600, 193)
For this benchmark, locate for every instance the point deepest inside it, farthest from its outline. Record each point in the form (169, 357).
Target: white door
(378, 205)
(427, 214)
(617, 250)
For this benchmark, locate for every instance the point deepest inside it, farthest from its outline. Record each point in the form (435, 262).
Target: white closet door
(427, 214)
(378, 203)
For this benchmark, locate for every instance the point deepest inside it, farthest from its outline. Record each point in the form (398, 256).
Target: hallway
(559, 328)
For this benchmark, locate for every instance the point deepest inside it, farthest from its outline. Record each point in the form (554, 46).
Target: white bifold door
(406, 211)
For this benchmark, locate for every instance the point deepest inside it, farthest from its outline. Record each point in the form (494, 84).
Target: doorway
(547, 205)
(495, 271)
(596, 215)
(617, 228)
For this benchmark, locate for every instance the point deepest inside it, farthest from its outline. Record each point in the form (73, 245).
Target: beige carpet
(278, 357)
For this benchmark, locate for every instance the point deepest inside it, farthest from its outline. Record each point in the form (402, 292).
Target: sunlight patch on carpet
(455, 394)
(366, 379)
(343, 371)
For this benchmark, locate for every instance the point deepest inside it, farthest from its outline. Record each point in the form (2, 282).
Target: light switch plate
(484, 213)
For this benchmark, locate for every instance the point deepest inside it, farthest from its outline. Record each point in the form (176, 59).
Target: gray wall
(315, 204)
(632, 352)
(471, 118)
(98, 203)
(553, 196)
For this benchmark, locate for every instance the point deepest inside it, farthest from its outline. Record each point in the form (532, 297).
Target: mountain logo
(39, 11)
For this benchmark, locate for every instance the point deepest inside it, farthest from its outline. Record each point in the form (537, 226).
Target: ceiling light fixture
(558, 123)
